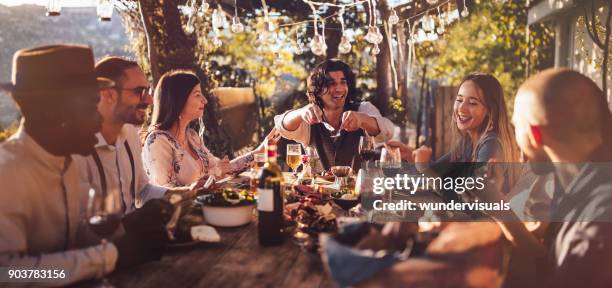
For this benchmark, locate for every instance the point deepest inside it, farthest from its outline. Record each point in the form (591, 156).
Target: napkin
(205, 233)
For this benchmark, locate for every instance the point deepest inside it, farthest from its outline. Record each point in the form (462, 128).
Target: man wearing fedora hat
(56, 90)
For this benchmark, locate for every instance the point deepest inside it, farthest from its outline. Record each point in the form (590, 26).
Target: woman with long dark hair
(174, 154)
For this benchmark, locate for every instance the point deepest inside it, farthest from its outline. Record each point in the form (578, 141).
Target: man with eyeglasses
(116, 163)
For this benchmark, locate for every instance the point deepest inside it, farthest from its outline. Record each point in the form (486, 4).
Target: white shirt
(39, 220)
(118, 169)
(302, 133)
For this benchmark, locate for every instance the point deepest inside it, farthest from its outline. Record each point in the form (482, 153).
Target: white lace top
(168, 164)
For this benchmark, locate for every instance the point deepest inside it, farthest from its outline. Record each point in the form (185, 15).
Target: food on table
(227, 197)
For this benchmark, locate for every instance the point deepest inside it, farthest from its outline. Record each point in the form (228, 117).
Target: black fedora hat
(54, 68)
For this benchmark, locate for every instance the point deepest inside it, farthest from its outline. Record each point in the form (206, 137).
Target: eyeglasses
(140, 91)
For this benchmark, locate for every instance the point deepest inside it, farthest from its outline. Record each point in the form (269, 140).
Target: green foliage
(492, 40)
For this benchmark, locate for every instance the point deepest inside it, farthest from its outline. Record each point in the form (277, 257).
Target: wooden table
(238, 261)
(464, 253)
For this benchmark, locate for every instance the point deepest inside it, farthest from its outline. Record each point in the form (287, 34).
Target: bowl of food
(227, 208)
(345, 198)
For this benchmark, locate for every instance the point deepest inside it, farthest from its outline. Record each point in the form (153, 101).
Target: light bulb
(318, 46)
(428, 23)
(218, 19)
(432, 2)
(203, 9)
(189, 28)
(371, 35)
(379, 36)
(345, 46)
(54, 7)
(375, 50)
(299, 50)
(465, 12)
(440, 30)
(237, 27)
(393, 18)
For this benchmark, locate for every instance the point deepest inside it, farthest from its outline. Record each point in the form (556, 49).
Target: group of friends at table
(82, 128)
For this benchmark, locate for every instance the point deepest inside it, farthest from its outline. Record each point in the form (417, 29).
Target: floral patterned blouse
(168, 164)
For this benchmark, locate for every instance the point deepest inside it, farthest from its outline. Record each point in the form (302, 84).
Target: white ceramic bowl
(228, 216)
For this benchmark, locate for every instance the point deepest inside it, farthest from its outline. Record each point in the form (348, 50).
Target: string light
(54, 7)
(465, 12)
(204, 7)
(104, 10)
(345, 45)
(393, 18)
(236, 27)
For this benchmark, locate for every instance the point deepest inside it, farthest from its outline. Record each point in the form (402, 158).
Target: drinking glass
(103, 217)
(294, 153)
(364, 187)
(391, 157)
(367, 150)
(341, 173)
(260, 160)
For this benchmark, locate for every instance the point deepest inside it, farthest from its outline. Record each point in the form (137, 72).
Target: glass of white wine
(294, 155)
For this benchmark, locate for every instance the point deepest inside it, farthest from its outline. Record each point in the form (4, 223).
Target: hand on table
(405, 151)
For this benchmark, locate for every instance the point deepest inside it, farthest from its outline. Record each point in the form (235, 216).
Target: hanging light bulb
(371, 35)
(317, 45)
(218, 19)
(465, 12)
(432, 2)
(375, 50)
(440, 30)
(237, 27)
(345, 45)
(203, 8)
(54, 7)
(104, 9)
(393, 18)
(379, 36)
(425, 24)
(189, 28)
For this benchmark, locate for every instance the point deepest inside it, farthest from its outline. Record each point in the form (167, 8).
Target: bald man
(561, 127)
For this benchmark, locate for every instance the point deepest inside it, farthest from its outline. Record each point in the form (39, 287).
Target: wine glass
(391, 164)
(364, 188)
(294, 153)
(259, 159)
(367, 150)
(341, 173)
(103, 217)
(390, 157)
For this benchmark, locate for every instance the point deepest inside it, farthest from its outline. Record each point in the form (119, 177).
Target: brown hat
(53, 68)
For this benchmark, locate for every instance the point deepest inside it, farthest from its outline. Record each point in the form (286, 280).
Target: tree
(493, 39)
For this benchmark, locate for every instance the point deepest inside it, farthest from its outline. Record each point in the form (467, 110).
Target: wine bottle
(270, 201)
